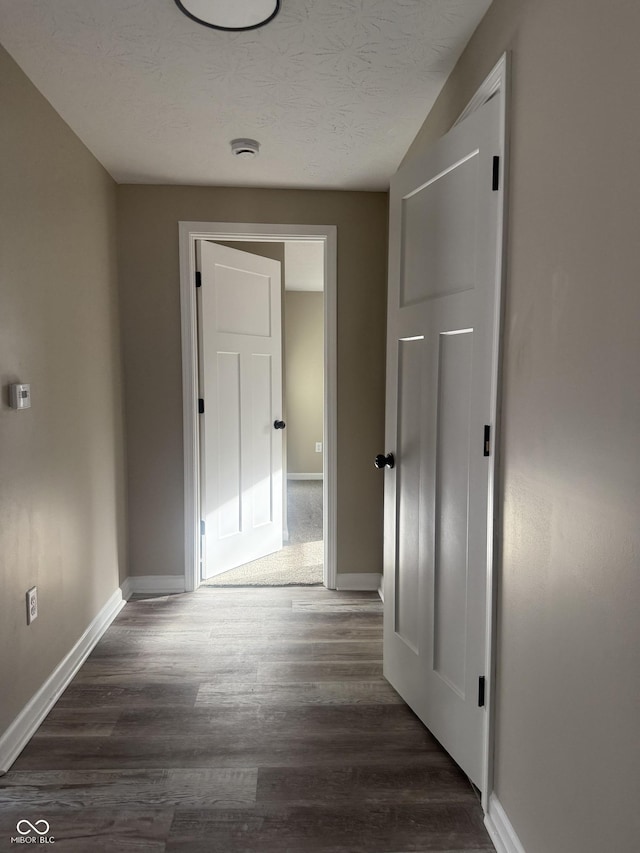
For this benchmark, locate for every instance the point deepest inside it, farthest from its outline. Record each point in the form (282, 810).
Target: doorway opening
(302, 486)
(297, 559)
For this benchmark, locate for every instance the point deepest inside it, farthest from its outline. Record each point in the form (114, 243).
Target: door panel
(222, 471)
(441, 328)
(407, 614)
(451, 507)
(242, 301)
(436, 259)
(241, 377)
(261, 439)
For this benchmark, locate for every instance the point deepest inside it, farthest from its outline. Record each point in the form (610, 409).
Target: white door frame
(496, 85)
(188, 234)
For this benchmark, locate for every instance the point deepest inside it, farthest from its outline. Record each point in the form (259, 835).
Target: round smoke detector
(247, 149)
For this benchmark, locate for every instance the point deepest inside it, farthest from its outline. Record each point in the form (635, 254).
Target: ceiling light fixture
(230, 15)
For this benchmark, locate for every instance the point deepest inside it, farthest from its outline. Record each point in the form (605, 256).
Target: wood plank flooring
(241, 721)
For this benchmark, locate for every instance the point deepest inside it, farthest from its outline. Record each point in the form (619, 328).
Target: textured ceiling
(334, 90)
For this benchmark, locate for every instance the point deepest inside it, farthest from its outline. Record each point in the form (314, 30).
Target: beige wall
(148, 223)
(62, 503)
(304, 388)
(568, 685)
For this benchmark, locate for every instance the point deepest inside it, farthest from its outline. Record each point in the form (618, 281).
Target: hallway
(236, 721)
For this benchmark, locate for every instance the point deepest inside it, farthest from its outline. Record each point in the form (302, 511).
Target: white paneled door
(442, 332)
(240, 360)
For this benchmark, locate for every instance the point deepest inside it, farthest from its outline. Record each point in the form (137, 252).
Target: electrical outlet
(32, 604)
(318, 447)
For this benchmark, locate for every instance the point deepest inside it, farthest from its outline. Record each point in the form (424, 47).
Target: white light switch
(20, 396)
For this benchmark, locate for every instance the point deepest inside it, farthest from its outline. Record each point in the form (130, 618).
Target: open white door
(441, 333)
(240, 361)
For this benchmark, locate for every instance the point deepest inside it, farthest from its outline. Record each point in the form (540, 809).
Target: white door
(241, 426)
(441, 330)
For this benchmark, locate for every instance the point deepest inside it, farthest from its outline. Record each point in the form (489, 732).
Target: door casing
(188, 234)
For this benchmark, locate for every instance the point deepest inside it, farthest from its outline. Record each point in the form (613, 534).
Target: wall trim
(25, 725)
(359, 581)
(152, 585)
(188, 234)
(500, 830)
(305, 476)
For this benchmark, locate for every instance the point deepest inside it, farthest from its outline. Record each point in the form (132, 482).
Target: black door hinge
(198, 279)
(487, 440)
(495, 178)
(481, 692)
(202, 527)
(201, 406)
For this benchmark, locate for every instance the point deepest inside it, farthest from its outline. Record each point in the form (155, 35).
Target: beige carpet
(295, 565)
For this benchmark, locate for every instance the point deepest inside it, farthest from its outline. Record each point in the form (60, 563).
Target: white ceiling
(304, 265)
(334, 90)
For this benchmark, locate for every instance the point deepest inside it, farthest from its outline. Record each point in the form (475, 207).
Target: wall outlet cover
(20, 396)
(32, 604)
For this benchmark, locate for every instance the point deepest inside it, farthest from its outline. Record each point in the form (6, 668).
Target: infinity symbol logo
(32, 827)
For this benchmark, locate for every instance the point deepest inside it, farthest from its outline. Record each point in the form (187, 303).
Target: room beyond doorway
(300, 561)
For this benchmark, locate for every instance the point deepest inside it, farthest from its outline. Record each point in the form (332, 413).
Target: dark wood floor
(241, 721)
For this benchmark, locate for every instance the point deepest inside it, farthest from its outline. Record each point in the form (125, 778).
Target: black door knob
(279, 425)
(382, 461)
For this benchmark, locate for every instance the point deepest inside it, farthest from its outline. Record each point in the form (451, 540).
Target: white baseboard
(381, 589)
(126, 588)
(359, 581)
(304, 476)
(500, 830)
(152, 585)
(22, 729)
